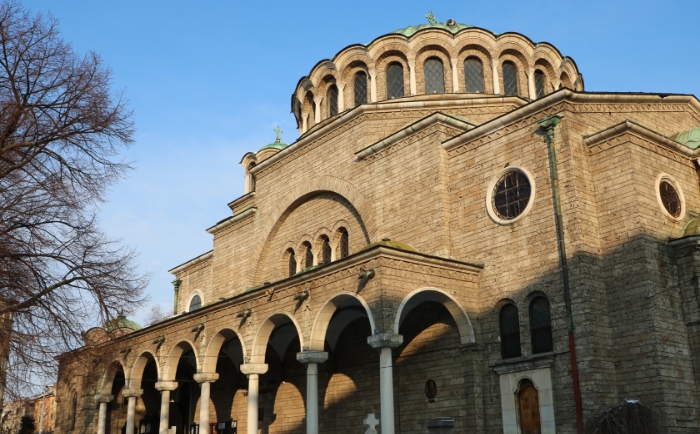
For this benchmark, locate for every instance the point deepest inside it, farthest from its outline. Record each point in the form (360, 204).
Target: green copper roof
(689, 138)
(121, 322)
(278, 141)
(449, 25)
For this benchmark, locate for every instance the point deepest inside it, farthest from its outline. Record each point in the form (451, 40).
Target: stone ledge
(166, 385)
(253, 368)
(384, 340)
(312, 356)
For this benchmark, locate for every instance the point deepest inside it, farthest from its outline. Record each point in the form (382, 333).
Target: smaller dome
(121, 322)
(278, 142)
(689, 138)
(450, 25)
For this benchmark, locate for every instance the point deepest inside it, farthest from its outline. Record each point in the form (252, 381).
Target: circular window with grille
(670, 197)
(510, 195)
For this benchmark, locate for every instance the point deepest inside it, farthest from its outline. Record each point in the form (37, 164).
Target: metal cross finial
(278, 130)
(431, 18)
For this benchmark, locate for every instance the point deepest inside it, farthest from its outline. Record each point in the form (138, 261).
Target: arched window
(540, 326)
(325, 250)
(473, 75)
(343, 245)
(510, 78)
(539, 83)
(360, 88)
(195, 304)
(332, 100)
(394, 81)
(73, 411)
(308, 255)
(510, 331)
(434, 74)
(292, 263)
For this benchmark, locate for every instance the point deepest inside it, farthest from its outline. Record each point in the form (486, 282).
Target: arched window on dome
(434, 74)
(394, 81)
(308, 255)
(510, 331)
(510, 79)
(291, 263)
(540, 326)
(539, 83)
(473, 75)
(195, 304)
(332, 98)
(360, 88)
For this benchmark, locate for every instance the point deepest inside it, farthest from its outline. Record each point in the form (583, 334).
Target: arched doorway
(529, 406)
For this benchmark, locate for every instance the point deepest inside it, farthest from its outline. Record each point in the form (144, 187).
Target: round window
(670, 197)
(510, 195)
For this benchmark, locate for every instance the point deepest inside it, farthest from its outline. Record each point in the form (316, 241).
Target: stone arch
(170, 365)
(109, 374)
(323, 318)
(134, 380)
(302, 192)
(546, 67)
(257, 354)
(484, 55)
(441, 52)
(212, 352)
(464, 326)
(387, 58)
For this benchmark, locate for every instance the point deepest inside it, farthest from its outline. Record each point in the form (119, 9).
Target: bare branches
(61, 132)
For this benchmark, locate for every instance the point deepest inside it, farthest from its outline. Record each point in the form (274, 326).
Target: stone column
(317, 113)
(373, 85)
(304, 123)
(165, 387)
(312, 359)
(204, 379)
(496, 82)
(412, 76)
(132, 394)
(531, 84)
(103, 400)
(384, 342)
(341, 96)
(455, 77)
(253, 370)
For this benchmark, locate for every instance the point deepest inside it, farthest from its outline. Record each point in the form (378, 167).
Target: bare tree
(155, 315)
(61, 132)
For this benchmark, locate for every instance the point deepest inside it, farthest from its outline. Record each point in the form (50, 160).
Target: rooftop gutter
(233, 219)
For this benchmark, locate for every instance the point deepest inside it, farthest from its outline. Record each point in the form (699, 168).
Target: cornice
(630, 126)
(233, 219)
(192, 262)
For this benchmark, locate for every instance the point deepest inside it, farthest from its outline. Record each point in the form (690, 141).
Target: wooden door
(529, 409)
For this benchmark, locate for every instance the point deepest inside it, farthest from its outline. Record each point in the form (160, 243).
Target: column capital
(312, 356)
(340, 85)
(104, 398)
(253, 368)
(205, 377)
(128, 393)
(166, 385)
(372, 73)
(385, 340)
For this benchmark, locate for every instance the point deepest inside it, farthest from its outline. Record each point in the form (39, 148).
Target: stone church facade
(461, 230)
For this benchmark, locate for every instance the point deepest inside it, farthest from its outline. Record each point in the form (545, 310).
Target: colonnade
(383, 342)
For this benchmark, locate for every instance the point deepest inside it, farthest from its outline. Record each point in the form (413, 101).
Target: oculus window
(670, 197)
(511, 195)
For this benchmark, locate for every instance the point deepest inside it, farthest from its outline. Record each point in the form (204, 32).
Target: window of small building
(332, 100)
(360, 87)
(540, 326)
(343, 244)
(539, 83)
(325, 250)
(510, 78)
(434, 73)
(510, 331)
(670, 198)
(73, 411)
(308, 255)
(394, 81)
(292, 263)
(511, 194)
(473, 75)
(195, 304)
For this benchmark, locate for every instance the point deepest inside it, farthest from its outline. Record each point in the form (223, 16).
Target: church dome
(121, 322)
(450, 25)
(689, 138)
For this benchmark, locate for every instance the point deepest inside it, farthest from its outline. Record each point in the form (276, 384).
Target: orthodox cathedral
(461, 236)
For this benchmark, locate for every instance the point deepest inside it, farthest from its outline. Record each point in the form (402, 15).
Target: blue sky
(209, 80)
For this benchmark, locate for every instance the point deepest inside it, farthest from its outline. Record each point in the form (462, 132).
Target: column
(412, 76)
(317, 113)
(341, 96)
(494, 72)
(253, 371)
(455, 77)
(304, 123)
(131, 394)
(165, 387)
(204, 379)
(103, 400)
(373, 85)
(384, 342)
(312, 359)
(531, 84)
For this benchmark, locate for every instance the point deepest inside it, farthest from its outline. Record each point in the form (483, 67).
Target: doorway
(529, 403)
